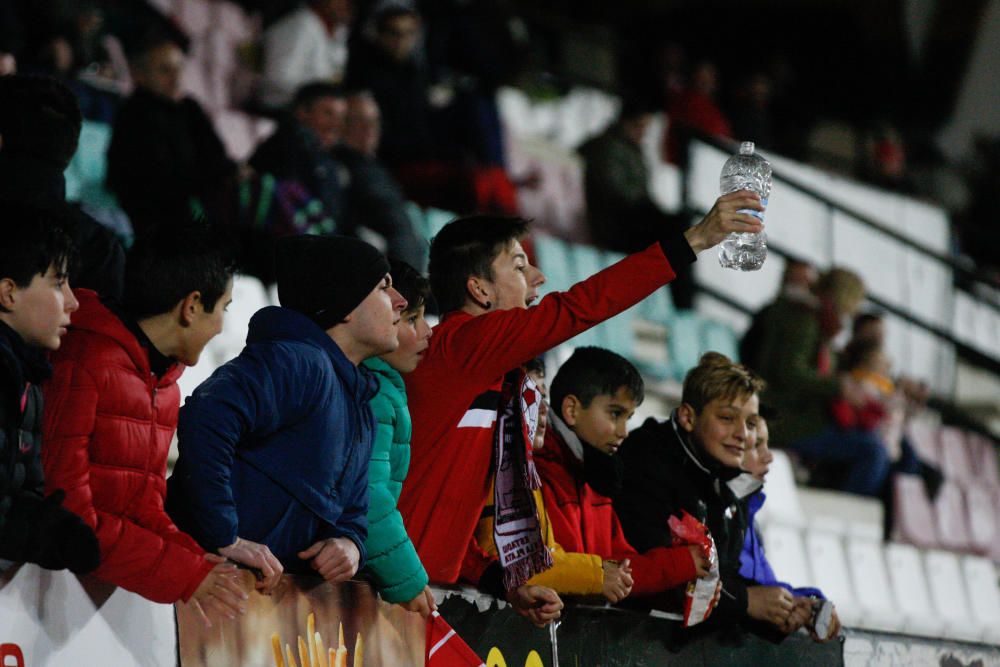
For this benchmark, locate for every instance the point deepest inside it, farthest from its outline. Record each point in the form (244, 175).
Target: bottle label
(757, 214)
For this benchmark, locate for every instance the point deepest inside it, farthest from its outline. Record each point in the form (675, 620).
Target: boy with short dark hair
(683, 465)
(114, 401)
(594, 394)
(35, 308)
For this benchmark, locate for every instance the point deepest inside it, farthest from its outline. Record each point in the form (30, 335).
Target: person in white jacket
(309, 44)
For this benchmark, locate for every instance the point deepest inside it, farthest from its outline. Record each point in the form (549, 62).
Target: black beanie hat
(326, 277)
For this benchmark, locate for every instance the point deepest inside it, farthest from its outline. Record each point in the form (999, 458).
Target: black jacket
(32, 528)
(666, 474)
(21, 371)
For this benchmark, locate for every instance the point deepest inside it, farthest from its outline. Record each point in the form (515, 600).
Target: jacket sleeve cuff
(679, 565)
(676, 248)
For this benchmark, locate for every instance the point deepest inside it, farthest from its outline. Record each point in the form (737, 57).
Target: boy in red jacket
(484, 285)
(112, 407)
(594, 394)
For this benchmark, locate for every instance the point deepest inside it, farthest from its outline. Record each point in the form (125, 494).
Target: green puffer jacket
(787, 359)
(392, 559)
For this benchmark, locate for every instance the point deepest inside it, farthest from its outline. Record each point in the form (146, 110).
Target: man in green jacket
(392, 560)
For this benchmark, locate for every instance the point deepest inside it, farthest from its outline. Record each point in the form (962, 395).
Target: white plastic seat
(787, 554)
(980, 504)
(871, 585)
(954, 452)
(913, 516)
(249, 296)
(984, 459)
(783, 505)
(984, 595)
(832, 576)
(950, 518)
(909, 587)
(947, 586)
(924, 438)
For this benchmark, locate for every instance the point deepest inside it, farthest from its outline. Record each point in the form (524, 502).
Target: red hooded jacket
(107, 428)
(585, 521)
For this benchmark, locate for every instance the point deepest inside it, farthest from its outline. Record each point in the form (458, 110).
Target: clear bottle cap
(746, 148)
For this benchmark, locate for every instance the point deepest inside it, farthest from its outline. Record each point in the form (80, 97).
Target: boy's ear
(7, 289)
(569, 410)
(475, 289)
(190, 306)
(686, 417)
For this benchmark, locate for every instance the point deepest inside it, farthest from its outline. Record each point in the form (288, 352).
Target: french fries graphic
(313, 652)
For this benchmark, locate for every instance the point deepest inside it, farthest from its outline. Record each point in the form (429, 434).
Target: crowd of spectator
(348, 438)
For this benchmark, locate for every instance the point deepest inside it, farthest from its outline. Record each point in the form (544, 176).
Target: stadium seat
(831, 574)
(684, 342)
(249, 296)
(984, 595)
(436, 220)
(85, 174)
(950, 518)
(954, 452)
(658, 307)
(553, 257)
(923, 435)
(947, 587)
(909, 586)
(787, 554)
(720, 337)
(913, 520)
(782, 506)
(872, 588)
(981, 501)
(985, 463)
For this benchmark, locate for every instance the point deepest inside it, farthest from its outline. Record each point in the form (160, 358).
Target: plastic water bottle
(745, 171)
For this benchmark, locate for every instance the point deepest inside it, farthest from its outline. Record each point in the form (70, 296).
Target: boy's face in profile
(202, 327)
(758, 458)
(515, 281)
(725, 429)
(40, 312)
(604, 423)
(414, 338)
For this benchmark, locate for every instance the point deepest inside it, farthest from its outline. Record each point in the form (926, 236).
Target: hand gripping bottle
(745, 171)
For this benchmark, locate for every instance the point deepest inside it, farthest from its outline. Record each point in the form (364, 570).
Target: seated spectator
(309, 44)
(695, 109)
(682, 465)
(390, 65)
(39, 131)
(114, 401)
(300, 149)
(798, 282)
(753, 561)
(418, 143)
(165, 156)
(571, 573)
(621, 213)
(392, 560)
(595, 393)
(275, 445)
(794, 356)
(484, 285)
(377, 201)
(36, 305)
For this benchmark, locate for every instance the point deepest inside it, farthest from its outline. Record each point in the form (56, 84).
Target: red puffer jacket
(585, 521)
(107, 428)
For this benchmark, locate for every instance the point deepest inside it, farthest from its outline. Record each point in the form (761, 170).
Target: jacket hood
(95, 317)
(276, 324)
